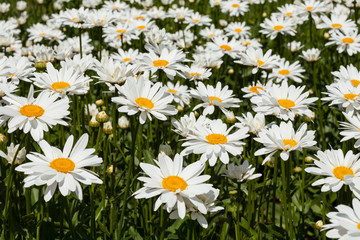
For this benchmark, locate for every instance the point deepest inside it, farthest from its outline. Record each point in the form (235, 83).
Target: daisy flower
(231, 48)
(254, 123)
(348, 74)
(345, 222)
(208, 199)
(234, 7)
(285, 71)
(351, 129)
(127, 57)
(211, 97)
(186, 124)
(338, 170)
(337, 22)
(345, 95)
(255, 89)
(168, 60)
(196, 72)
(349, 41)
(214, 140)
(11, 151)
(180, 93)
(294, 46)
(256, 59)
(241, 173)
(278, 25)
(64, 81)
(284, 101)
(237, 30)
(64, 168)
(284, 138)
(311, 55)
(140, 96)
(174, 183)
(35, 115)
(211, 32)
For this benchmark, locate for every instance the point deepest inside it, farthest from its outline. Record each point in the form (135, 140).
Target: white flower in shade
(211, 97)
(64, 168)
(208, 199)
(351, 129)
(180, 93)
(294, 46)
(284, 101)
(286, 71)
(91, 109)
(80, 64)
(256, 59)
(196, 72)
(20, 68)
(11, 151)
(284, 138)
(254, 123)
(186, 124)
(168, 61)
(345, 95)
(35, 115)
(174, 183)
(345, 223)
(64, 81)
(214, 140)
(278, 24)
(139, 95)
(349, 41)
(255, 89)
(311, 55)
(240, 173)
(348, 74)
(337, 170)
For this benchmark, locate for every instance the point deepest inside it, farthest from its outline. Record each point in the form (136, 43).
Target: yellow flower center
(286, 103)
(260, 63)
(126, 59)
(63, 165)
(358, 226)
(144, 102)
(213, 98)
(216, 138)
(254, 89)
(173, 183)
(11, 76)
(75, 19)
(116, 7)
(238, 30)
(59, 85)
(278, 27)
(342, 171)
(348, 40)
(225, 47)
(290, 142)
(139, 17)
(355, 82)
(309, 8)
(288, 14)
(121, 31)
(32, 110)
(211, 34)
(351, 96)
(235, 5)
(336, 25)
(172, 91)
(160, 63)
(195, 20)
(193, 74)
(141, 27)
(284, 72)
(119, 36)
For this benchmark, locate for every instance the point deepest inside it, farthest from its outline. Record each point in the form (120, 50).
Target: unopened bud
(99, 102)
(230, 117)
(298, 169)
(309, 159)
(102, 117)
(123, 122)
(2, 138)
(110, 169)
(180, 108)
(231, 71)
(319, 224)
(326, 35)
(107, 128)
(196, 114)
(165, 149)
(40, 65)
(270, 162)
(264, 14)
(93, 122)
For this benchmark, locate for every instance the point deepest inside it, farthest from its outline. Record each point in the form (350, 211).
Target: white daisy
(284, 138)
(351, 129)
(180, 92)
(11, 151)
(284, 101)
(213, 140)
(241, 173)
(348, 74)
(174, 183)
(139, 95)
(278, 24)
(64, 168)
(286, 71)
(254, 123)
(256, 59)
(337, 170)
(211, 97)
(35, 115)
(349, 41)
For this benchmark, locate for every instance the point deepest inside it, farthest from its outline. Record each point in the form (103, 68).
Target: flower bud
(123, 122)
(2, 138)
(319, 224)
(165, 149)
(231, 71)
(196, 114)
(107, 128)
(40, 65)
(99, 102)
(93, 122)
(102, 117)
(326, 35)
(180, 108)
(230, 117)
(309, 159)
(298, 169)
